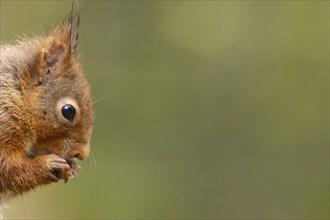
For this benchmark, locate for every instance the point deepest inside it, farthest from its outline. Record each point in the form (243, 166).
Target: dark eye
(68, 112)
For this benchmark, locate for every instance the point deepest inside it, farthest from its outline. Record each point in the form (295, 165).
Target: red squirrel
(46, 115)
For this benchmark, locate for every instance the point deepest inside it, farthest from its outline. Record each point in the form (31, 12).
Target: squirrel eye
(68, 112)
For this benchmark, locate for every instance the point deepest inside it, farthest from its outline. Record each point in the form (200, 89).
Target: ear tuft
(73, 27)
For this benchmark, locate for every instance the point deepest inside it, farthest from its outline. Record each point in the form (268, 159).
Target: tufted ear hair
(73, 27)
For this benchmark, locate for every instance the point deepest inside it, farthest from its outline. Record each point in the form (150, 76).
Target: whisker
(100, 99)
(99, 154)
(94, 160)
(91, 163)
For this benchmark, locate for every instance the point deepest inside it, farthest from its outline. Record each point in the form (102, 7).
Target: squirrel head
(59, 96)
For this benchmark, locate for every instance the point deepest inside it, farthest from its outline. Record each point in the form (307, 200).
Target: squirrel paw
(56, 167)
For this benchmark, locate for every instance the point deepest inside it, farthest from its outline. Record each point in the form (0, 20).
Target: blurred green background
(216, 109)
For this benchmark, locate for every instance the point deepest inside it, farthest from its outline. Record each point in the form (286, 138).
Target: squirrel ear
(62, 42)
(73, 27)
(51, 54)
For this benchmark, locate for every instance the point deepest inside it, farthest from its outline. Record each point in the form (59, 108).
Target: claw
(71, 173)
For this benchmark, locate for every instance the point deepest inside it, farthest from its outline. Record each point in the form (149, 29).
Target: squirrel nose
(81, 153)
(78, 155)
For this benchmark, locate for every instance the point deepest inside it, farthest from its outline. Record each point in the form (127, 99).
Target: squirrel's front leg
(20, 173)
